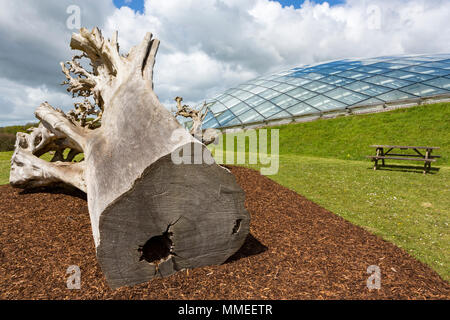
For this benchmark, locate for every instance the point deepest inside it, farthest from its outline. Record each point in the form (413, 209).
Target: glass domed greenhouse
(332, 88)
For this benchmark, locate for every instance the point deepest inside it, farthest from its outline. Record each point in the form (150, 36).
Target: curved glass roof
(329, 86)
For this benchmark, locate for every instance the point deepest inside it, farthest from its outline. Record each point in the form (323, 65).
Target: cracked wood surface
(133, 187)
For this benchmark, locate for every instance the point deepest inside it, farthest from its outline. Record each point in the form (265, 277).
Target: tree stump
(151, 214)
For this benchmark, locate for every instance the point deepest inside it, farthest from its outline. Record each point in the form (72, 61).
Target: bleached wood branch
(209, 135)
(135, 190)
(29, 171)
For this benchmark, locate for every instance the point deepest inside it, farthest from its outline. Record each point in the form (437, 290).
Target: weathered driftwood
(152, 214)
(209, 135)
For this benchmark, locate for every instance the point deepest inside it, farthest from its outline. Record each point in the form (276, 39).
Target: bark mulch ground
(296, 250)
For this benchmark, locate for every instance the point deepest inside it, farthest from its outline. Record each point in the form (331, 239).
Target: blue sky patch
(298, 3)
(136, 5)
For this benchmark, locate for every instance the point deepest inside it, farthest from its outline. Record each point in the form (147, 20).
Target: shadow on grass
(250, 247)
(403, 168)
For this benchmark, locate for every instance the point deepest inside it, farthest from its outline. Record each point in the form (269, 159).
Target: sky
(138, 5)
(207, 46)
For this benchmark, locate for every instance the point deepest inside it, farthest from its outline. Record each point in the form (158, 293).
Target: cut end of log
(173, 218)
(150, 214)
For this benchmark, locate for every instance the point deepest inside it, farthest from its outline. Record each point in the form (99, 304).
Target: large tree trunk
(151, 215)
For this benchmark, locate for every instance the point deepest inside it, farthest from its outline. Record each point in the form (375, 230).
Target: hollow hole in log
(157, 248)
(237, 226)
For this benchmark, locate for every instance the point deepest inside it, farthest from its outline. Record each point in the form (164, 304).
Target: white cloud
(19, 101)
(34, 38)
(210, 45)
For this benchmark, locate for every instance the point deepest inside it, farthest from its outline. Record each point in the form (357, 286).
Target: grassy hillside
(349, 138)
(14, 129)
(8, 135)
(325, 161)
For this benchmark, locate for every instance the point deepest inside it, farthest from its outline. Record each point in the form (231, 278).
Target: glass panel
(336, 80)
(301, 108)
(388, 65)
(225, 117)
(301, 94)
(372, 70)
(240, 108)
(297, 74)
(210, 124)
(384, 58)
(257, 81)
(234, 122)
(220, 96)
(325, 103)
(416, 77)
(257, 89)
(269, 94)
(231, 102)
(251, 116)
(319, 87)
(283, 78)
(271, 77)
(370, 101)
(231, 91)
(269, 84)
(366, 88)
(346, 96)
(388, 82)
(424, 70)
(255, 100)
(284, 101)
(353, 75)
(217, 107)
(328, 71)
(208, 116)
(267, 109)
(297, 81)
(441, 65)
(405, 62)
(246, 86)
(284, 73)
(395, 95)
(299, 68)
(225, 98)
(283, 87)
(421, 59)
(242, 95)
(443, 83)
(344, 67)
(422, 90)
(280, 115)
(312, 76)
(354, 62)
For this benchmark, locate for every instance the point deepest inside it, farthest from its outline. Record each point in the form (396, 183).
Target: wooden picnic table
(427, 158)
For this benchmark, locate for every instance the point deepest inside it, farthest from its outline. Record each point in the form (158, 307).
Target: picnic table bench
(427, 158)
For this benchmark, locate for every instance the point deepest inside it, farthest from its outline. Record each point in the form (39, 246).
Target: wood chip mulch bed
(296, 250)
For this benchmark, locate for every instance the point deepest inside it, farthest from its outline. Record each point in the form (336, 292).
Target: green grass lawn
(325, 162)
(408, 208)
(349, 138)
(5, 160)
